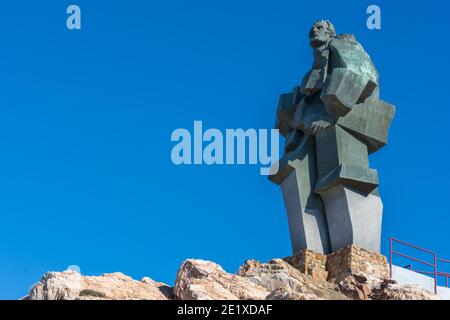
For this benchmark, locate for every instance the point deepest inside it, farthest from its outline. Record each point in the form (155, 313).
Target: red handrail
(411, 258)
(412, 245)
(435, 272)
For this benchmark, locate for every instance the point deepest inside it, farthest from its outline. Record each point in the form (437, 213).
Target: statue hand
(317, 126)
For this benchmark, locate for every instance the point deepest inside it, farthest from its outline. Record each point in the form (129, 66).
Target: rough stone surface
(349, 273)
(310, 263)
(70, 285)
(390, 290)
(285, 282)
(353, 260)
(205, 280)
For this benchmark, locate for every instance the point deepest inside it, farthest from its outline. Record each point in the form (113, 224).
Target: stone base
(337, 266)
(354, 218)
(356, 261)
(310, 263)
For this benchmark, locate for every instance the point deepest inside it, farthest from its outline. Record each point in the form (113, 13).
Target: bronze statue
(332, 122)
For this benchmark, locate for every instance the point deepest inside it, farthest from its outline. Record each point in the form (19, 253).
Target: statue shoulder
(347, 52)
(346, 37)
(343, 43)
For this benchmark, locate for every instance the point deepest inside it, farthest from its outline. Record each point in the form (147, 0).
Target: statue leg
(306, 216)
(349, 191)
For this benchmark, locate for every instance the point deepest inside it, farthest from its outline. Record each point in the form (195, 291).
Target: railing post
(390, 257)
(435, 273)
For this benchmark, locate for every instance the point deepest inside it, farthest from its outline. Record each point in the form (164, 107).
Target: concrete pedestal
(353, 217)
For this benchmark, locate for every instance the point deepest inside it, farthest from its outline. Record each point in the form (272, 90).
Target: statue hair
(330, 26)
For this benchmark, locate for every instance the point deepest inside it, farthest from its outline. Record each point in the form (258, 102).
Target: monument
(331, 123)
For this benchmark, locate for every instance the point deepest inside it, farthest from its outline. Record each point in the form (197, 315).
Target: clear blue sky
(86, 117)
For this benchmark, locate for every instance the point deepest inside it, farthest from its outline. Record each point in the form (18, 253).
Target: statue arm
(287, 106)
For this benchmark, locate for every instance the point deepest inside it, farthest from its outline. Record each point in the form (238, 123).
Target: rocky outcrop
(205, 280)
(285, 282)
(390, 290)
(70, 285)
(349, 273)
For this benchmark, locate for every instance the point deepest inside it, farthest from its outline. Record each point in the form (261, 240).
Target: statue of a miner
(332, 122)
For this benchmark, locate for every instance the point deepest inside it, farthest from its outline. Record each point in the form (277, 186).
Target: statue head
(321, 32)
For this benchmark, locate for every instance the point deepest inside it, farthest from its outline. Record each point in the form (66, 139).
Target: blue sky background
(86, 117)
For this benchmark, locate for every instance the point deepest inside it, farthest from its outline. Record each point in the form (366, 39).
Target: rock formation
(70, 285)
(349, 273)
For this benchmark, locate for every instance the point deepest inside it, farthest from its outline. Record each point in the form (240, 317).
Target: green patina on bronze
(331, 122)
(337, 106)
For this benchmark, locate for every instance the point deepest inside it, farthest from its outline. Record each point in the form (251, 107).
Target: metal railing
(435, 273)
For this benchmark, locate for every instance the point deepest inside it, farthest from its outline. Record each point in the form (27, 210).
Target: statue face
(319, 34)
